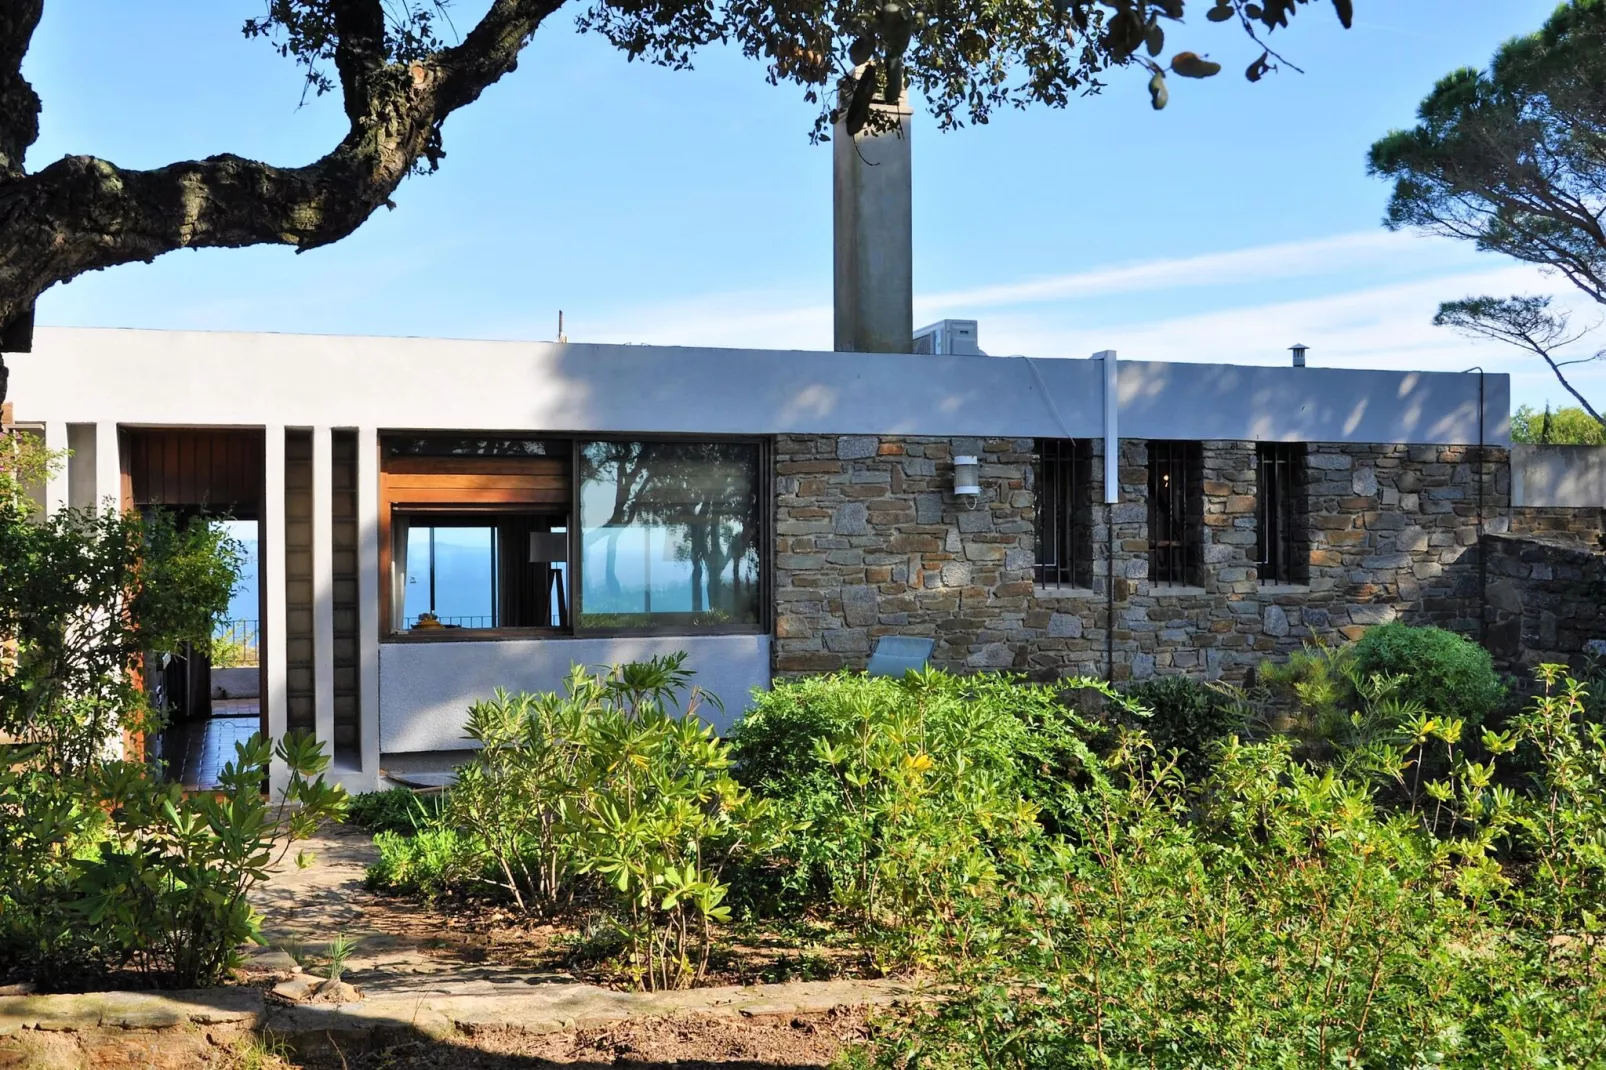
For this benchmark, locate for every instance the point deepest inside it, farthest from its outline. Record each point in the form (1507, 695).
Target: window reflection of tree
(705, 491)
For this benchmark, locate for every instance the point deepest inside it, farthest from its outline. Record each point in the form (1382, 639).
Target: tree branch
(82, 213)
(19, 104)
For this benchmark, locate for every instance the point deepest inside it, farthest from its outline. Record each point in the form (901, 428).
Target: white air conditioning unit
(949, 338)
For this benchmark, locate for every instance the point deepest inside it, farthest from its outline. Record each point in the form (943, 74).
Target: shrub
(906, 795)
(1187, 716)
(1447, 673)
(167, 892)
(613, 787)
(432, 861)
(393, 810)
(104, 866)
(1272, 914)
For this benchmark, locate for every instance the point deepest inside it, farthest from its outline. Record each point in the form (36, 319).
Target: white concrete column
(368, 581)
(274, 644)
(56, 482)
(323, 588)
(108, 467)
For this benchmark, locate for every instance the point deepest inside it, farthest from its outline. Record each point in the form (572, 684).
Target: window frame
(1063, 465)
(1185, 458)
(1286, 508)
(764, 514)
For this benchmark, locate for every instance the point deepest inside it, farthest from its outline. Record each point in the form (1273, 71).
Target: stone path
(396, 953)
(419, 982)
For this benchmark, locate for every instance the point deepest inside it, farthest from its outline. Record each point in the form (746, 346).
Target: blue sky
(689, 208)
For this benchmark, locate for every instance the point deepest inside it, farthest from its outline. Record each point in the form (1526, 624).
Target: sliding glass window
(670, 535)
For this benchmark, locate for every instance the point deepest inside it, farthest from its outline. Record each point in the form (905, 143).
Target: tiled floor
(197, 752)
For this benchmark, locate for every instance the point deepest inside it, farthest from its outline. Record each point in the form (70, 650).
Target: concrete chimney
(874, 236)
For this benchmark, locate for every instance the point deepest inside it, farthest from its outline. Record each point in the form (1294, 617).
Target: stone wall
(1588, 525)
(870, 542)
(1546, 599)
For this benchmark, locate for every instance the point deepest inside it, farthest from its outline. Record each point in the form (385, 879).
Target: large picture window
(670, 534)
(477, 535)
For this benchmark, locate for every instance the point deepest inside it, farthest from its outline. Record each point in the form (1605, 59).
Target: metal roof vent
(948, 338)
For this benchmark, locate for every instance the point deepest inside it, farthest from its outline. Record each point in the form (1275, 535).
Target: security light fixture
(967, 484)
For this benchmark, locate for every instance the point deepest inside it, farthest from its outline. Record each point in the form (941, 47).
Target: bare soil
(403, 943)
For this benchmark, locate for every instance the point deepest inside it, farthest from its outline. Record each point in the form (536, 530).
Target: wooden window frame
(459, 488)
(498, 485)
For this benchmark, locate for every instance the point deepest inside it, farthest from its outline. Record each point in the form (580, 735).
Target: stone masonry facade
(870, 541)
(1546, 599)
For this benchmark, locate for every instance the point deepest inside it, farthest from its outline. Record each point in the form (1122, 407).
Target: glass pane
(451, 574)
(669, 534)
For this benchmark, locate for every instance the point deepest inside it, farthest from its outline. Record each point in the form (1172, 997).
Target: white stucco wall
(172, 377)
(425, 689)
(1572, 477)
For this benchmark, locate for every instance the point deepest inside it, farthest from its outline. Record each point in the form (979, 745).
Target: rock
(852, 518)
(992, 656)
(336, 992)
(859, 605)
(1595, 648)
(1275, 621)
(1369, 614)
(1142, 666)
(856, 447)
(1065, 626)
(299, 988)
(1364, 482)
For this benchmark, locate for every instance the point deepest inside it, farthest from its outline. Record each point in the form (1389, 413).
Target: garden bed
(404, 944)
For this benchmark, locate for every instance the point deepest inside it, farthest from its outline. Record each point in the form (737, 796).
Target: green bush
(1447, 673)
(1187, 716)
(106, 868)
(393, 810)
(1273, 914)
(431, 861)
(905, 795)
(614, 789)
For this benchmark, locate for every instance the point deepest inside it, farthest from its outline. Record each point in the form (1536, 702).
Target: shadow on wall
(580, 386)
(1545, 600)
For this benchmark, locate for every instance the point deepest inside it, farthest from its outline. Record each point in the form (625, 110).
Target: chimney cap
(1299, 349)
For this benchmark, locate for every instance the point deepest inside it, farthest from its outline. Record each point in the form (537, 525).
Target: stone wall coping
(1179, 590)
(1284, 588)
(1053, 594)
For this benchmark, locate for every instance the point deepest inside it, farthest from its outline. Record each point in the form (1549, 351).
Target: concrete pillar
(56, 481)
(108, 467)
(874, 227)
(368, 581)
(81, 466)
(274, 644)
(323, 589)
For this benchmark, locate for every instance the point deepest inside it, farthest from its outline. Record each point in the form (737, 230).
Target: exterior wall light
(967, 471)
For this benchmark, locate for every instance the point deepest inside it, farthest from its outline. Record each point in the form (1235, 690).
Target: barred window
(1280, 513)
(1064, 513)
(1176, 512)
